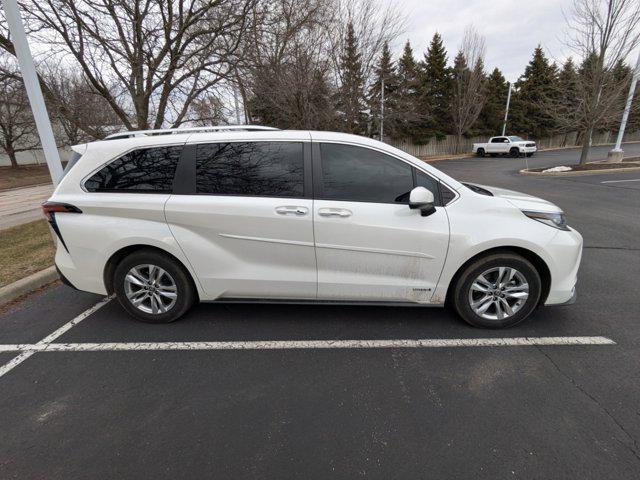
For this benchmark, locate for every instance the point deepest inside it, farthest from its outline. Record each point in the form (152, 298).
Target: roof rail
(170, 131)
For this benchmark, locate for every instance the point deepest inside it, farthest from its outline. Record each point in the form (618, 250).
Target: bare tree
(602, 33)
(17, 127)
(149, 59)
(374, 23)
(76, 108)
(209, 110)
(284, 54)
(468, 83)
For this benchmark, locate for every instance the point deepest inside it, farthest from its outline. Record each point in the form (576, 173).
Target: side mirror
(422, 199)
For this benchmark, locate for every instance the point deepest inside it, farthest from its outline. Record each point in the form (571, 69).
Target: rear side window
(359, 174)
(260, 169)
(149, 170)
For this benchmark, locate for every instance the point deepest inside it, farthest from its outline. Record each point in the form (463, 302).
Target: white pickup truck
(514, 146)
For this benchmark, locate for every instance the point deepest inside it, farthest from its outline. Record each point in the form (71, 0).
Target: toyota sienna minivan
(167, 218)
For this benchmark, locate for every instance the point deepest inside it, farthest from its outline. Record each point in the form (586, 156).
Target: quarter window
(261, 169)
(149, 170)
(430, 183)
(363, 175)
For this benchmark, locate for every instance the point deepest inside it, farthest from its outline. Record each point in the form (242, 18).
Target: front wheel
(497, 291)
(153, 287)
(514, 152)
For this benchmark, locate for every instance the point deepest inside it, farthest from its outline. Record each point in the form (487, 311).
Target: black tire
(462, 287)
(184, 287)
(480, 152)
(530, 154)
(514, 152)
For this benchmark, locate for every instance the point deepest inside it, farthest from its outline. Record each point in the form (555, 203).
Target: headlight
(556, 220)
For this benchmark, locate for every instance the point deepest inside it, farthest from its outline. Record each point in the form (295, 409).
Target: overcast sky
(512, 28)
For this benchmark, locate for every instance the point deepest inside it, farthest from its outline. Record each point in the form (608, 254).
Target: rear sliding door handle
(292, 210)
(334, 212)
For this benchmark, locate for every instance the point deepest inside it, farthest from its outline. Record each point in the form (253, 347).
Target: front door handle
(335, 212)
(292, 210)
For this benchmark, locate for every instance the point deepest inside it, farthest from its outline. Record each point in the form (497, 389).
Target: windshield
(516, 139)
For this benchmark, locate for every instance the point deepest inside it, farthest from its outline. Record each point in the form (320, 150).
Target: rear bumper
(64, 279)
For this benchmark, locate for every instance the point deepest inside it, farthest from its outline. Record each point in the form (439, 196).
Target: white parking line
(308, 344)
(618, 181)
(14, 362)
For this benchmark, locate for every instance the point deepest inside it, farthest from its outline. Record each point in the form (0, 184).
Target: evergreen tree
(492, 115)
(435, 90)
(538, 84)
(621, 72)
(566, 99)
(386, 71)
(409, 122)
(351, 97)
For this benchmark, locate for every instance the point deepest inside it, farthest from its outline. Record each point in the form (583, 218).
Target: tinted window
(73, 159)
(498, 140)
(262, 169)
(446, 194)
(149, 170)
(362, 175)
(431, 184)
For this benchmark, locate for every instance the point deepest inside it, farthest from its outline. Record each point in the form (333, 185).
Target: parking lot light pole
(382, 110)
(32, 85)
(617, 153)
(506, 111)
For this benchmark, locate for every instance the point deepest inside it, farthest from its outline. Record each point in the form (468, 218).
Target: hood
(521, 200)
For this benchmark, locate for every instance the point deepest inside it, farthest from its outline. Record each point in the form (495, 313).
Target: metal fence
(447, 145)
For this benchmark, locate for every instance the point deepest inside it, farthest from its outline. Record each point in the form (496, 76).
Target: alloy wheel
(498, 293)
(150, 289)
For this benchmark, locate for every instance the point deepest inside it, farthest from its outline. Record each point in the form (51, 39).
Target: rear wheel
(480, 152)
(497, 291)
(153, 287)
(514, 152)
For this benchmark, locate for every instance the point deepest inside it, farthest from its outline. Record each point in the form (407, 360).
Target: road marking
(308, 344)
(26, 353)
(618, 181)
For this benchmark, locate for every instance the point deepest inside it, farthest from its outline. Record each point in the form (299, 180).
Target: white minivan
(164, 219)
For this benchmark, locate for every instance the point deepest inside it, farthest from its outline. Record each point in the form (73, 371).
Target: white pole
(30, 79)
(236, 103)
(627, 108)
(382, 110)
(506, 112)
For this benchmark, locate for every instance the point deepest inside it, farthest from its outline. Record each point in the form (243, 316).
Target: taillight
(49, 208)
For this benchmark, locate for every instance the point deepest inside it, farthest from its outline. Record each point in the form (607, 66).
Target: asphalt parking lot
(112, 398)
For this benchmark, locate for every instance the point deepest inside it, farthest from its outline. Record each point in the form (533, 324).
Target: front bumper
(571, 301)
(565, 251)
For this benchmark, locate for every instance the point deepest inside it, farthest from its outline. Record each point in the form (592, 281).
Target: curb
(25, 186)
(581, 172)
(25, 285)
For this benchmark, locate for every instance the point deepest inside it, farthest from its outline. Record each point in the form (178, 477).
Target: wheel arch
(540, 265)
(120, 254)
